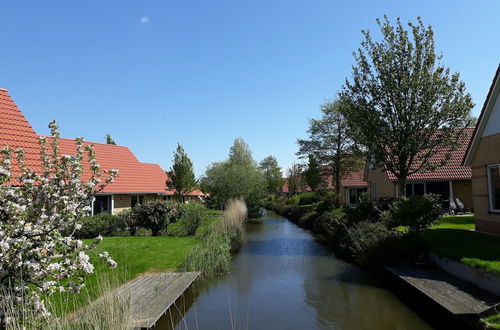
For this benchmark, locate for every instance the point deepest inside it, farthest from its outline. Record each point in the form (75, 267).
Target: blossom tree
(40, 210)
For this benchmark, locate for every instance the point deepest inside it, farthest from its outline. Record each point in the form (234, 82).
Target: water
(283, 279)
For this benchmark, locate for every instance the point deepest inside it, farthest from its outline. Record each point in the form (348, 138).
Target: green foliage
(211, 257)
(191, 216)
(101, 224)
(179, 228)
(181, 174)
(416, 213)
(131, 221)
(313, 174)
(237, 177)
(330, 142)
(293, 200)
(109, 140)
(307, 198)
(272, 173)
(206, 226)
(294, 179)
(155, 215)
(402, 104)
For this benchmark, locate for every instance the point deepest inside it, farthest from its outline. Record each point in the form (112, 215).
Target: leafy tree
(239, 177)
(109, 140)
(313, 173)
(272, 173)
(330, 141)
(181, 174)
(294, 179)
(402, 103)
(156, 215)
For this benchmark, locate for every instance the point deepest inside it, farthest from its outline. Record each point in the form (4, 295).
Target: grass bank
(135, 256)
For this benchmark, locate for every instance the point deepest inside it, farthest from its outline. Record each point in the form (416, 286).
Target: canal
(283, 279)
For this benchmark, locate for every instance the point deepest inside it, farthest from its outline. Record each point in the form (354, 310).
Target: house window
(413, 189)
(355, 195)
(137, 200)
(494, 187)
(373, 190)
(102, 204)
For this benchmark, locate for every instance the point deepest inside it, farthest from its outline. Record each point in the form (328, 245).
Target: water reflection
(282, 279)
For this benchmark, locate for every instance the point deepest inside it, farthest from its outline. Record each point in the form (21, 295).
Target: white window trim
(490, 189)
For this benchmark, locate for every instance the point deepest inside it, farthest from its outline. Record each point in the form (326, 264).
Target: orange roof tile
(16, 131)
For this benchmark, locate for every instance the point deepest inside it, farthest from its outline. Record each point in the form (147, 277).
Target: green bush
(130, 220)
(191, 216)
(416, 213)
(155, 215)
(307, 198)
(365, 210)
(101, 224)
(206, 226)
(179, 228)
(307, 219)
(293, 200)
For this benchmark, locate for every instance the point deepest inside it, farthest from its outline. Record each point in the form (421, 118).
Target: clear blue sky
(153, 73)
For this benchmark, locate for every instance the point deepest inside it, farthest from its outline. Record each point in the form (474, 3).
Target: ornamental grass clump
(40, 211)
(213, 255)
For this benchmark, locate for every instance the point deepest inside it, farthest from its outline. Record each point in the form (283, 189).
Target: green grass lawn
(469, 247)
(134, 255)
(455, 222)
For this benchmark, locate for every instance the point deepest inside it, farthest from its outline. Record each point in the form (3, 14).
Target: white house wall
(493, 124)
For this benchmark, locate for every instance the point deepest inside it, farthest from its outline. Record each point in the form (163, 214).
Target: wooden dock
(152, 295)
(458, 297)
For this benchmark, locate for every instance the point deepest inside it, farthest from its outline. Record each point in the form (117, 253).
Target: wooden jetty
(458, 297)
(152, 295)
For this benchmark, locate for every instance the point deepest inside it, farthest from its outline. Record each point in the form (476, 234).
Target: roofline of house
(483, 118)
(434, 179)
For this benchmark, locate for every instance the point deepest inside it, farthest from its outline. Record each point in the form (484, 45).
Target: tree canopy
(109, 140)
(313, 174)
(402, 103)
(272, 173)
(181, 174)
(237, 177)
(330, 142)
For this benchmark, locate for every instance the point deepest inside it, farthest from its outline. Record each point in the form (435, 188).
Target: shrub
(101, 224)
(307, 219)
(365, 210)
(416, 213)
(178, 228)
(308, 198)
(206, 226)
(155, 215)
(131, 221)
(191, 216)
(293, 200)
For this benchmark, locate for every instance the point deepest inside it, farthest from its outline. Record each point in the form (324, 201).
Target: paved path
(457, 296)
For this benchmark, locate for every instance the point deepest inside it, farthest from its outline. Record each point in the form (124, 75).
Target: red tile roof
(355, 179)
(16, 131)
(453, 168)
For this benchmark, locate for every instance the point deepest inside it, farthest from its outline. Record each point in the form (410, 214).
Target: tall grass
(110, 311)
(213, 255)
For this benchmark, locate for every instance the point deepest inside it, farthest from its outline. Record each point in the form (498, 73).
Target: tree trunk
(402, 187)
(337, 189)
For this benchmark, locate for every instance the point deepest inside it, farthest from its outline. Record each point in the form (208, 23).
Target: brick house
(451, 181)
(137, 182)
(483, 156)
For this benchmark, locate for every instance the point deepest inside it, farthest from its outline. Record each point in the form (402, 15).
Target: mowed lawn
(135, 256)
(455, 222)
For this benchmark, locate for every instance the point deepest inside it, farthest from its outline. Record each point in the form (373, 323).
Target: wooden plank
(457, 296)
(151, 295)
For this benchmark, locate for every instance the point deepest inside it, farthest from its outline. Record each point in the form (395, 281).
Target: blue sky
(153, 73)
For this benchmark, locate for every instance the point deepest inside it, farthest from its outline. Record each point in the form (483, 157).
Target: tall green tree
(272, 172)
(237, 177)
(402, 103)
(294, 178)
(330, 141)
(181, 174)
(109, 140)
(313, 173)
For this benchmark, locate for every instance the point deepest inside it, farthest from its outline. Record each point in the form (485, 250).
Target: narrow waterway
(283, 279)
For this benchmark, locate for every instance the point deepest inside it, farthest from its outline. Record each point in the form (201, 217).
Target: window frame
(490, 188)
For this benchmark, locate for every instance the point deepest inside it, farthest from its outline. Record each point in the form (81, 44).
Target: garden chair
(461, 206)
(453, 207)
